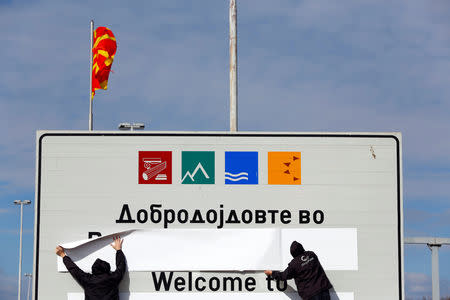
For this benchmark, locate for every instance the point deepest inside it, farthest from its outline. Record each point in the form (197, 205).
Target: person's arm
(73, 269)
(277, 275)
(121, 263)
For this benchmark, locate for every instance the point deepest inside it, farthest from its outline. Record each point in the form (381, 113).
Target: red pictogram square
(155, 167)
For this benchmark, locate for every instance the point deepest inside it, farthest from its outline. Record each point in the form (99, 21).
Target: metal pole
(233, 67)
(20, 250)
(435, 271)
(21, 203)
(29, 284)
(433, 243)
(90, 76)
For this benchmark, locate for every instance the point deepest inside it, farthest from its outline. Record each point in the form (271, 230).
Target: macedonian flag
(103, 52)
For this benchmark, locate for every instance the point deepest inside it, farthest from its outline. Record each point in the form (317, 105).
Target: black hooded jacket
(305, 268)
(102, 284)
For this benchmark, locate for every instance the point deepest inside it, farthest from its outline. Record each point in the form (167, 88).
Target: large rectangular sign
(203, 214)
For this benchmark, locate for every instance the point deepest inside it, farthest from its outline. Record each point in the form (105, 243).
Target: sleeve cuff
(66, 259)
(275, 274)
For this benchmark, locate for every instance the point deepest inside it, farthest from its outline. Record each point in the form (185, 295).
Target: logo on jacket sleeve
(155, 167)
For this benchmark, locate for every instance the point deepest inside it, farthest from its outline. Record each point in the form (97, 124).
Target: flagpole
(90, 76)
(233, 67)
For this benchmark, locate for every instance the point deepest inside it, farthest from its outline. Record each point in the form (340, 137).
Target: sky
(349, 66)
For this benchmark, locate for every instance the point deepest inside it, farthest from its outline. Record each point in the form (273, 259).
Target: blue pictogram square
(241, 167)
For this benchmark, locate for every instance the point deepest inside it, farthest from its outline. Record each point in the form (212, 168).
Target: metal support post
(434, 244)
(91, 125)
(435, 270)
(233, 67)
(20, 250)
(21, 203)
(29, 284)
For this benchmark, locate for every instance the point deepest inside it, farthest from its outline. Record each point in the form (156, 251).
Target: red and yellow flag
(103, 52)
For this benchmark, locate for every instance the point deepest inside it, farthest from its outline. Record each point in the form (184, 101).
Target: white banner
(218, 249)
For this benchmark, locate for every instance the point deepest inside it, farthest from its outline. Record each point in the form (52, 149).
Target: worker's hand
(268, 272)
(117, 244)
(60, 251)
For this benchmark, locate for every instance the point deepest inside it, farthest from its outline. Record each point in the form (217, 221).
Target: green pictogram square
(197, 167)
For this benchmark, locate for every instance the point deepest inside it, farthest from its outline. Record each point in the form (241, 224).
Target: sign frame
(41, 135)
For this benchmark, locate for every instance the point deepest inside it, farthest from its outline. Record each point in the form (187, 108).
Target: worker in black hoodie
(102, 284)
(310, 278)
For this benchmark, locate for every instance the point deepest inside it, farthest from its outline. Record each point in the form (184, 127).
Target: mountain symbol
(199, 167)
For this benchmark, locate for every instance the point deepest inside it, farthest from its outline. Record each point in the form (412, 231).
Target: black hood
(296, 249)
(100, 267)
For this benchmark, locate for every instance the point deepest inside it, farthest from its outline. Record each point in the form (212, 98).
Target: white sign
(216, 207)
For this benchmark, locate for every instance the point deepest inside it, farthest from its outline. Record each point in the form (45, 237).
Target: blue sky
(303, 66)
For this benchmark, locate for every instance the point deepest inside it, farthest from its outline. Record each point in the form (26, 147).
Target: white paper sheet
(209, 296)
(75, 244)
(186, 250)
(337, 248)
(218, 249)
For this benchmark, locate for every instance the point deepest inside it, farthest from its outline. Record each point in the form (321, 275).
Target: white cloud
(419, 285)
(427, 186)
(8, 286)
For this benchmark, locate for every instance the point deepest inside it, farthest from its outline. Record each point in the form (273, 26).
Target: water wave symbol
(236, 177)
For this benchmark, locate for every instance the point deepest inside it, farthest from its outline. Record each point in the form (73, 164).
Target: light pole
(29, 284)
(131, 126)
(21, 203)
(233, 68)
(434, 243)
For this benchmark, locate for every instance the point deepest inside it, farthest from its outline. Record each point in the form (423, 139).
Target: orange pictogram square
(284, 168)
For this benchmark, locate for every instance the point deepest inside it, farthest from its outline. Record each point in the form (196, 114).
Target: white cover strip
(186, 250)
(209, 296)
(72, 245)
(218, 249)
(337, 248)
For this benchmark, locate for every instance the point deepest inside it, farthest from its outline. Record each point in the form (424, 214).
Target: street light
(434, 243)
(21, 203)
(131, 126)
(29, 284)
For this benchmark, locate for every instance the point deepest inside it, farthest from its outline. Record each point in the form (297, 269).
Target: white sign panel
(211, 209)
